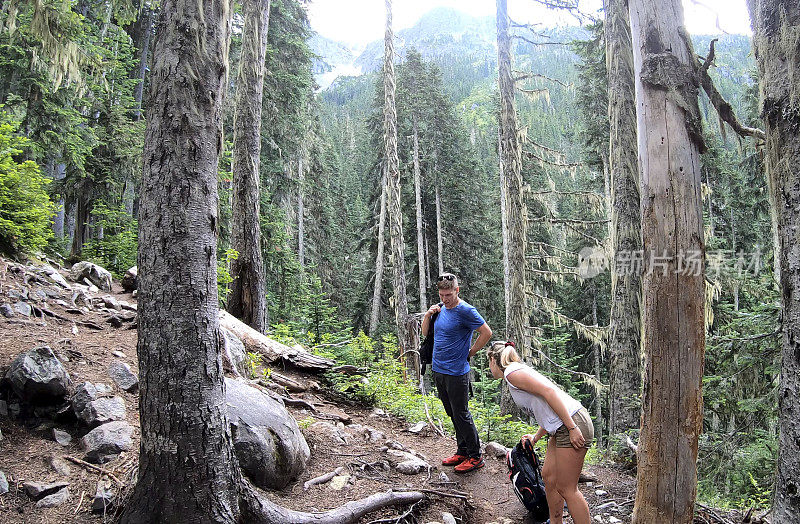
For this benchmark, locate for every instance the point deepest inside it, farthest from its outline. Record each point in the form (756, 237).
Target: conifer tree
(776, 26)
(624, 335)
(394, 208)
(247, 299)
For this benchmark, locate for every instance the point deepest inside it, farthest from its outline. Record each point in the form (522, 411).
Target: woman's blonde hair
(503, 353)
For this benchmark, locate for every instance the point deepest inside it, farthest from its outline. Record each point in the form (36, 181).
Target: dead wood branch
(291, 385)
(534, 156)
(350, 370)
(724, 109)
(452, 494)
(256, 508)
(92, 467)
(532, 42)
(322, 479)
(527, 76)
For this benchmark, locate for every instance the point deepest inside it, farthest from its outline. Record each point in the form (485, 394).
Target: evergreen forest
(326, 229)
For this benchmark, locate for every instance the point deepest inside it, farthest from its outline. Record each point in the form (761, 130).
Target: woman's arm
(534, 386)
(535, 438)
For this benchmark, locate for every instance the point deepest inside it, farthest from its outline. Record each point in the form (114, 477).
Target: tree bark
(625, 322)
(516, 219)
(378, 288)
(776, 28)
(669, 143)
(439, 241)
(423, 299)
(80, 234)
(187, 469)
(596, 351)
(141, 32)
(395, 211)
(247, 299)
(301, 245)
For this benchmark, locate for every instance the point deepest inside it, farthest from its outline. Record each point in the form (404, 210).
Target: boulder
(93, 409)
(55, 276)
(3, 483)
(130, 281)
(39, 490)
(495, 449)
(111, 303)
(267, 440)
(105, 442)
(407, 463)
(121, 374)
(93, 273)
(23, 308)
(103, 497)
(234, 356)
(7, 311)
(38, 377)
(62, 437)
(102, 410)
(56, 499)
(60, 466)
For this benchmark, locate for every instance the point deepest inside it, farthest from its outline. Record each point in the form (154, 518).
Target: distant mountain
(440, 32)
(333, 59)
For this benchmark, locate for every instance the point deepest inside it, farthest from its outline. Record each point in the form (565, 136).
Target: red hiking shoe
(469, 464)
(455, 460)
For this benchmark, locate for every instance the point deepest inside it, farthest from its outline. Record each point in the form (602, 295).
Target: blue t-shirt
(452, 336)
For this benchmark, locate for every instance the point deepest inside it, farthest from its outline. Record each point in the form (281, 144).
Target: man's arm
(484, 334)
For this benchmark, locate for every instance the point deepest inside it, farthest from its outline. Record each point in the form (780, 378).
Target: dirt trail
(28, 453)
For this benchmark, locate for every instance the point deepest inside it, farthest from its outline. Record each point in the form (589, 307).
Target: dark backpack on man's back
(426, 348)
(525, 472)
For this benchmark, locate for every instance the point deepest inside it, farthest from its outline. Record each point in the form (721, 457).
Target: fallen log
(271, 350)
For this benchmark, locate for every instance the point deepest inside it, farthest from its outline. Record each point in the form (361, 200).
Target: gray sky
(362, 21)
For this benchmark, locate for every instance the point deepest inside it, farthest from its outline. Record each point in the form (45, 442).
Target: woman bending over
(561, 417)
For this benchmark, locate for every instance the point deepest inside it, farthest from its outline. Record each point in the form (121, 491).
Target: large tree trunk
(625, 322)
(423, 299)
(378, 288)
(511, 170)
(516, 215)
(187, 470)
(673, 285)
(247, 299)
(776, 28)
(395, 211)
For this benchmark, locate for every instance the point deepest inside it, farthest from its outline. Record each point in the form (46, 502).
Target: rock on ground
(105, 442)
(38, 377)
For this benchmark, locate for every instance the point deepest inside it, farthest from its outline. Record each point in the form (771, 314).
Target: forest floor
(31, 454)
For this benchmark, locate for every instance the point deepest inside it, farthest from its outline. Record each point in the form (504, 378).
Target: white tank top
(536, 405)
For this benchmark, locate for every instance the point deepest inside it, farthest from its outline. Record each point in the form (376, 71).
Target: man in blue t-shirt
(452, 349)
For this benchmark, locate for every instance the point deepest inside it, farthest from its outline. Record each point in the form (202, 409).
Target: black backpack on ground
(525, 472)
(426, 348)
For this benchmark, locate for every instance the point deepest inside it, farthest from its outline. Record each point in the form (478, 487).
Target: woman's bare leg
(555, 502)
(570, 463)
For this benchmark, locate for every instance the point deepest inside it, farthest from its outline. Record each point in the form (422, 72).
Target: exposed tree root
(255, 508)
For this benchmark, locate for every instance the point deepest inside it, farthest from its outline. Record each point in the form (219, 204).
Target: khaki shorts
(582, 420)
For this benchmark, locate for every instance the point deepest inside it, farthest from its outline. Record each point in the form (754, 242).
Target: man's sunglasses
(446, 277)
